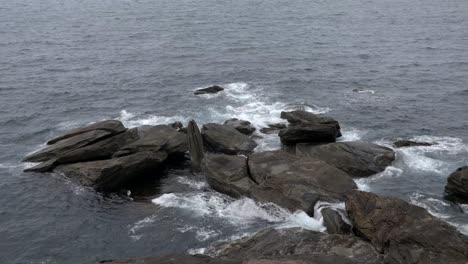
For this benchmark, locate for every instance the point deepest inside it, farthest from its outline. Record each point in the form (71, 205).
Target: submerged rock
(357, 158)
(226, 139)
(457, 185)
(278, 177)
(110, 175)
(209, 90)
(243, 126)
(409, 143)
(405, 233)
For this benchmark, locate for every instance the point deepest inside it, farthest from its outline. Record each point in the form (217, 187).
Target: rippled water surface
(67, 63)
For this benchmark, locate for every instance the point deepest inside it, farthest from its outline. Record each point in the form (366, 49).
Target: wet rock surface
(226, 139)
(403, 232)
(357, 158)
(209, 90)
(243, 126)
(457, 185)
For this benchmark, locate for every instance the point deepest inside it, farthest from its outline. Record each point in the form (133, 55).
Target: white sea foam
(141, 224)
(237, 212)
(351, 134)
(389, 172)
(133, 120)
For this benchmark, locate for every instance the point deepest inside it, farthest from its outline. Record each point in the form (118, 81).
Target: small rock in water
(334, 223)
(410, 143)
(273, 128)
(457, 185)
(209, 90)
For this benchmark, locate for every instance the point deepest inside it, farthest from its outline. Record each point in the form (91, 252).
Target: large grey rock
(457, 185)
(67, 145)
(291, 242)
(112, 126)
(298, 117)
(243, 126)
(278, 177)
(100, 150)
(155, 139)
(405, 233)
(308, 133)
(357, 158)
(226, 139)
(112, 174)
(175, 259)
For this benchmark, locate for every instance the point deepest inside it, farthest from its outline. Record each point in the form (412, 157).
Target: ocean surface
(386, 69)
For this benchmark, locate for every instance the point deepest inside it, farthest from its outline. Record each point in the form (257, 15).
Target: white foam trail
(199, 185)
(432, 205)
(237, 212)
(141, 224)
(368, 91)
(389, 172)
(131, 120)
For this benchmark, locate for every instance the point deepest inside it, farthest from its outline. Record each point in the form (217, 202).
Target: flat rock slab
(298, 117)
(457, 185)
(278, 177)
(308, 133)
(112, 174)
(111, 126)
(403, 232)
(226, 139)
(67, 145)
(209, 90)
(357, 158)
(290, 242)
(409, 143)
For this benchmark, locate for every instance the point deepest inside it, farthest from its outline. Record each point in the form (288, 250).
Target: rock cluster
(371, 228)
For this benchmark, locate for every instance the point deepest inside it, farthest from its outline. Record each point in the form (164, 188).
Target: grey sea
(386, 69)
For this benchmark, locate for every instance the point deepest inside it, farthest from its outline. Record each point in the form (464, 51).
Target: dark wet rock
(301, 117)
(226, 139)
(457, 185)
(112, 174)
(409, 143)
(297, 242)
(67, 145)
(228, 174)
(103, 149)
(155, 139)
(112, 126)
(209, 90)
(357, 158)
(405, 233)
(174, 259)
(195, 145)
(243, 126)
(334, 222)
(308, 133)
(278, 177)
(273, 128)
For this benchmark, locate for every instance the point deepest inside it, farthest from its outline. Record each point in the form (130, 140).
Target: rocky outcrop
(209, 90)
(457, 185)
(226, 139)
(308, 133)
(405, 233)
(297, 242)
(301, 117)
(334, 223)
(278, 177)
(357, 158)
(107, 156)
(175, 259)
(243, 126)
(409, 143)
(195, 145)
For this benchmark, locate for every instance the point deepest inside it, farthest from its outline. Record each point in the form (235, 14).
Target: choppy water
(67, 63)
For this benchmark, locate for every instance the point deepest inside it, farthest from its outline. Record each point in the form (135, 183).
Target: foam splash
(351, 134)
(199, 185)
(131, 120)
(238, 212)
